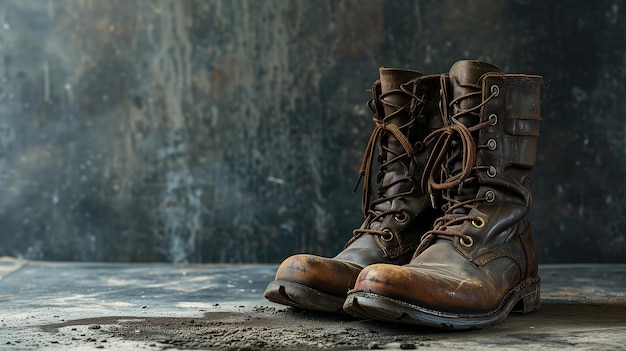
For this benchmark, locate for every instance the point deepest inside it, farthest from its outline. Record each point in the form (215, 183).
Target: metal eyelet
(492, 144)
(466, 241)
(422, 119)
(478, 222)
(492, 172)
(494, 118)
(419, 146)
(490, 196)
(495, 90)
(400, 217)
(388, 236)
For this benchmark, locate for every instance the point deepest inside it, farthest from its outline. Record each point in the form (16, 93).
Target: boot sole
(301, 296)
(524, 298)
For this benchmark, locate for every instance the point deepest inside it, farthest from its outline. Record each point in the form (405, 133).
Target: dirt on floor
(265, 328)
(557, 326)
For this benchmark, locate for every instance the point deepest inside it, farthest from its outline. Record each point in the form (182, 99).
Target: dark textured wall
(232, 131)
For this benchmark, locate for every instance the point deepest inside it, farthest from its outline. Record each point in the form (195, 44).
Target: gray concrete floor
(92, 306)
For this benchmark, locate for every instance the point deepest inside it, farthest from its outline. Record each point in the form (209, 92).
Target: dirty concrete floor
(93, 306)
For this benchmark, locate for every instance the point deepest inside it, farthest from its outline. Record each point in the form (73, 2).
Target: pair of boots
(446, 243)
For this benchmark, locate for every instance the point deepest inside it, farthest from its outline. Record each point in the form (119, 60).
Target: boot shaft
(501, 113)
(507, 156)
(406, 110)
(413, 106)
(490, 145)
(510, 139)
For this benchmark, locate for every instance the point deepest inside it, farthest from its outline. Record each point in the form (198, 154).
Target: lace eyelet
(422, 119)
(495, 90)
(388, 236)
(490, 196)
(400, 217)
(419, 146)
(492, 171)
(494, 118)
(491, 144)
(466, 241)
(478, 222)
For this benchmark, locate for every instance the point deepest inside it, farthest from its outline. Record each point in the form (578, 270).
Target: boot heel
(530, 300)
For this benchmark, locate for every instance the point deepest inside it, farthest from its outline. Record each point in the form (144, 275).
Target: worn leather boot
(405, 105)
(479, 262)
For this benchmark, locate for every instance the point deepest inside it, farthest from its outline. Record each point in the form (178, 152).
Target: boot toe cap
(325, 274)
(434, 288)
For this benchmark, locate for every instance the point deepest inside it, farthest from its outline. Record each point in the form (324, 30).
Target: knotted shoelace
(452, 143)
(381, 128)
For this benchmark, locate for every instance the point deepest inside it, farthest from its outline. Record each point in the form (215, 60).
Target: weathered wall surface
(232, 130)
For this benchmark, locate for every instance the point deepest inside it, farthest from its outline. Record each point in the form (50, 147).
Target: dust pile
(264, 328)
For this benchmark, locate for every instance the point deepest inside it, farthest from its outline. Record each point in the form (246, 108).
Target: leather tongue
(390, 80)
(464, 78)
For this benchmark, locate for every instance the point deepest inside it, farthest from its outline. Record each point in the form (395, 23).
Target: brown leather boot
(479, 262)
(405, 105)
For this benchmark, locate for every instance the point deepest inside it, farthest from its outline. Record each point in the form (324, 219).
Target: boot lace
(451, 167)
(382, 128)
